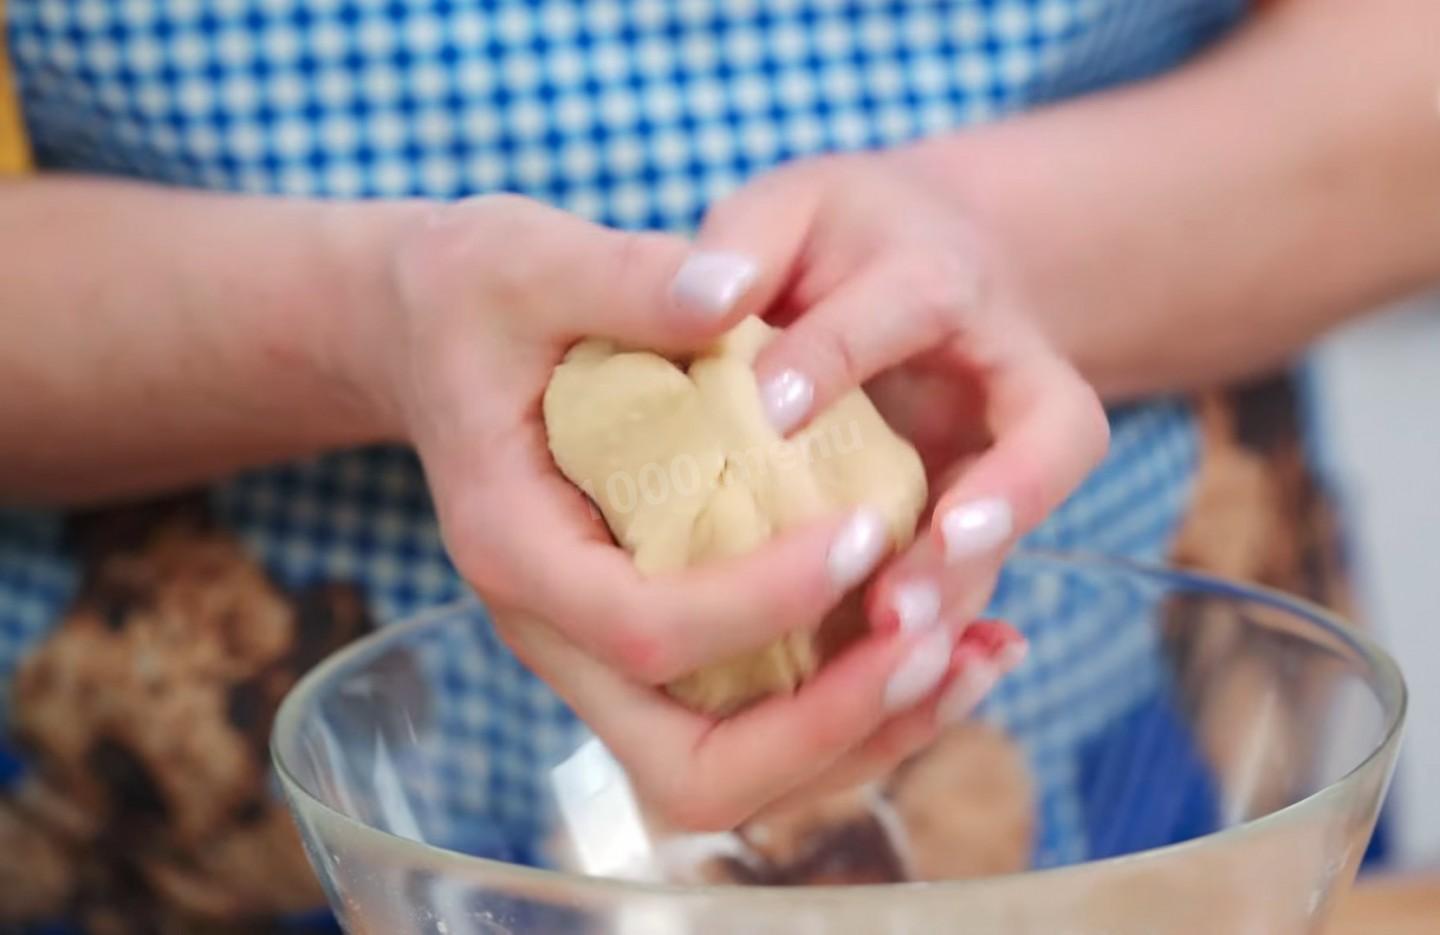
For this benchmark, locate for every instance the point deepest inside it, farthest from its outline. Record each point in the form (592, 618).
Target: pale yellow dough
(685, 467)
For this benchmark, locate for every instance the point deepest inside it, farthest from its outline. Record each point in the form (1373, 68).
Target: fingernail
(976, 679)
(858, 548)
(710, 282)
(916, 605)
(921, 671)
(787, 398)
(976, 527)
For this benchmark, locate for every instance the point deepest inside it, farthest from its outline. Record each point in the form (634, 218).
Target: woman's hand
(486, 297)
(883, 279)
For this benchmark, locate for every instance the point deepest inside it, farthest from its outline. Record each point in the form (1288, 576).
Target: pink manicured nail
(980, 670)
(859, 546)
(916, 605)
(920, 672)
(787, 398)
(709, 283)
(975, 528)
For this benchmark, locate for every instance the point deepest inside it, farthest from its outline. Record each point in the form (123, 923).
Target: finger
(648, 290)
(660, 292)
(985, 653)
(1049, 431)
(656, 629)
(920, 586)
(757, 757)
(699, 774)
(988, 651)
(878, 757)
(766, 223)
(889, 313)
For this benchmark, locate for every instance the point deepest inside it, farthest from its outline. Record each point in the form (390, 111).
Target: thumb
(762, 228)
(651, 290)
(568, 278)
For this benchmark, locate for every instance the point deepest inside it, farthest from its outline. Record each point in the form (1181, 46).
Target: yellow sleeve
(14, 149)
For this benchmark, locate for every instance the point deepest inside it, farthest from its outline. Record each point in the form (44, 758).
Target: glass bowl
(1198, 757)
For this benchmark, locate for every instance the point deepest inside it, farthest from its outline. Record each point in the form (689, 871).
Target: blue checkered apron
(635, 113)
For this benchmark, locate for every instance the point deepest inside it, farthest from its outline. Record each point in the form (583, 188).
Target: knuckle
(513, 282)
(639, 648)
(643, 262)
(725, 215)
(484, 220)
(518, 231)
(943, 284)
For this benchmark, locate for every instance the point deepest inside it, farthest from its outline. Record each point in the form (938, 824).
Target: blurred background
(1374, 393)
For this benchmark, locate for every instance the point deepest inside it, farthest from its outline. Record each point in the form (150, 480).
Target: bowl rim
(1386, 671)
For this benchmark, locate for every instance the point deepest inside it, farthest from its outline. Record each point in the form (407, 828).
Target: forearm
(153, 337)
(1207, 225)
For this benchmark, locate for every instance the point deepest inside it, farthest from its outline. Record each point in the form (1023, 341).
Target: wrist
(353, 341)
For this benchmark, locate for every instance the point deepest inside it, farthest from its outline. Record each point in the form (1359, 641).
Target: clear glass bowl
(1223, 775)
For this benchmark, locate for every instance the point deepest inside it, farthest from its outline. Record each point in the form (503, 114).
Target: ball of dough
(685, 467)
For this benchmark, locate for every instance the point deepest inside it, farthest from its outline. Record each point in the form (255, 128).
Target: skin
(1160, 237)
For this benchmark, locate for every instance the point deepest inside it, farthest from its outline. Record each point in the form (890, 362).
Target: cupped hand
(883, 278)
(487, 296)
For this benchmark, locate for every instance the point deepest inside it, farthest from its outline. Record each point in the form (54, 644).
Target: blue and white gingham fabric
(636, 113)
